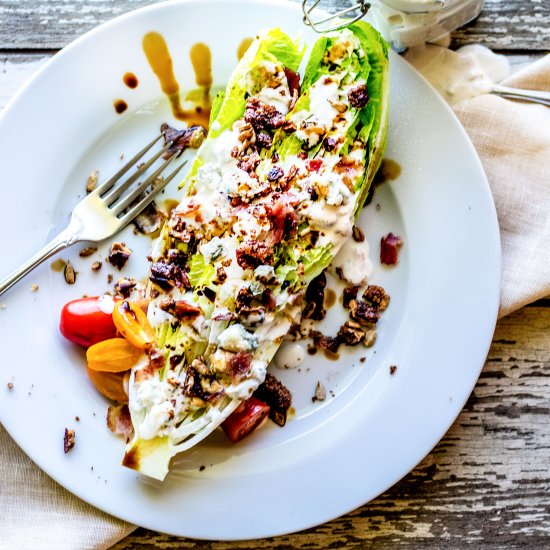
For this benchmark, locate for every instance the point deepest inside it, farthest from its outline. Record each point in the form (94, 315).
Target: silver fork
(106, 210)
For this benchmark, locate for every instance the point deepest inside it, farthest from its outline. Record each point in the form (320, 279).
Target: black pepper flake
(202, 468)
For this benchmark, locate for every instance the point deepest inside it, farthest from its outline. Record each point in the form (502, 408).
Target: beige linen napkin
(513, 141)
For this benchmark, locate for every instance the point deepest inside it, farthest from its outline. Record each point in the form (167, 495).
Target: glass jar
(407, 23)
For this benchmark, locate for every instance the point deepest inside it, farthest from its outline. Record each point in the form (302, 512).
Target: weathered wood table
(488, 481)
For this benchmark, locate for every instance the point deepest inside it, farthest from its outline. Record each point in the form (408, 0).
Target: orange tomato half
(113, 355)
(132, 323)
(109, 384)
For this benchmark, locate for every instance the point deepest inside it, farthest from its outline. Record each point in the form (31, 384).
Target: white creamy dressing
(290, 355)
(354, 261)
(468, 72)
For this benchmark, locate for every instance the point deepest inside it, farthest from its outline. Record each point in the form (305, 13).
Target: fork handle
(535, 96)
(63, 240)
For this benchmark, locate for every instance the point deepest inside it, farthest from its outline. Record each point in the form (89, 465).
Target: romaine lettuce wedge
(270, 199)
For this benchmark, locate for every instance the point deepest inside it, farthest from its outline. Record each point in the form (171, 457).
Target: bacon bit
(284, 221)
(156, 362)
(188, 138)
(251, 254)
(119, 420)
(180, 309)
(314, 165)
(239, 365)
(350, 169)
(293, 80)
(168, 276)
(119, 255)
(389, 248)
(262, 116)
(68, 440)
(358, 96)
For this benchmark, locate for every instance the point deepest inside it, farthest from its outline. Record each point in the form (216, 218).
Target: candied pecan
(325, 342)
(275, 173)
(248, 163)
(350, 293)
(277, 396)
(239, 365)
(119, 420)
(377, 297)
(389, 248)
(262, 116)
(188, 138)
(263, 139)
(124, 286)
(68, 440)
(168, 276)
(370, 338)
(177, 229)
(244, 298)
(251, 254)
(247, 135)
(180, 309)
(119, 255)
(221, 275)
(351, 333)
(175, 256)
(358, 96)
(315, 297)
(268, 300)
(364, 313)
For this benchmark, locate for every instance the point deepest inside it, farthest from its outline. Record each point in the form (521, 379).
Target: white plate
(332, 457)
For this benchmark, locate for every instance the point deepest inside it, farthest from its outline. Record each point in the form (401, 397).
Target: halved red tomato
(88, 321)
(245, 419)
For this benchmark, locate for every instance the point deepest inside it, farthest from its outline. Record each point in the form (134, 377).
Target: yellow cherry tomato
(132, 323)
(113, 355)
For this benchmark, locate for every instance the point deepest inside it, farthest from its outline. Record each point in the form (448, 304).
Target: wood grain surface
(487, 483)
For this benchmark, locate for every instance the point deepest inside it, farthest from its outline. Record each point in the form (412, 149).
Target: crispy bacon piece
(293, 80)
(188, 138)
(350, 169)
(358, 96)
(262, 116)
(180, 309)
(389, 248)
(314, 165)
(251, 254)
(119, 420)
(277, 396)
(284, 221)
(239, 365)
(168, 276)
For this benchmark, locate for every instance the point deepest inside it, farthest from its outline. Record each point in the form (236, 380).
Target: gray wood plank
(486, 483)
(51, 24)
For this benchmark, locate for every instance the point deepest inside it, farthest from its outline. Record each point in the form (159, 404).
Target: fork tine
(119, 206)
(135, 210)
(313, 6)
(116, 192)
(337, 15)
(105, 186)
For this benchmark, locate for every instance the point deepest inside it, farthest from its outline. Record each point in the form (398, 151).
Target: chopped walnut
(277, 396)
(351, 333)
(377, 297)
(188, 138)
(68, 440)
(69, 274)
(119, 255)
(320, 393)
(124, 286)
(92, 180)
(34, 288)
(251, 254)
(370, 338)
(364, 313)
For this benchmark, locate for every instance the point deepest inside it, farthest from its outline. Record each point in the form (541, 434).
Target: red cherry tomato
(245, 419)
(88, 321)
